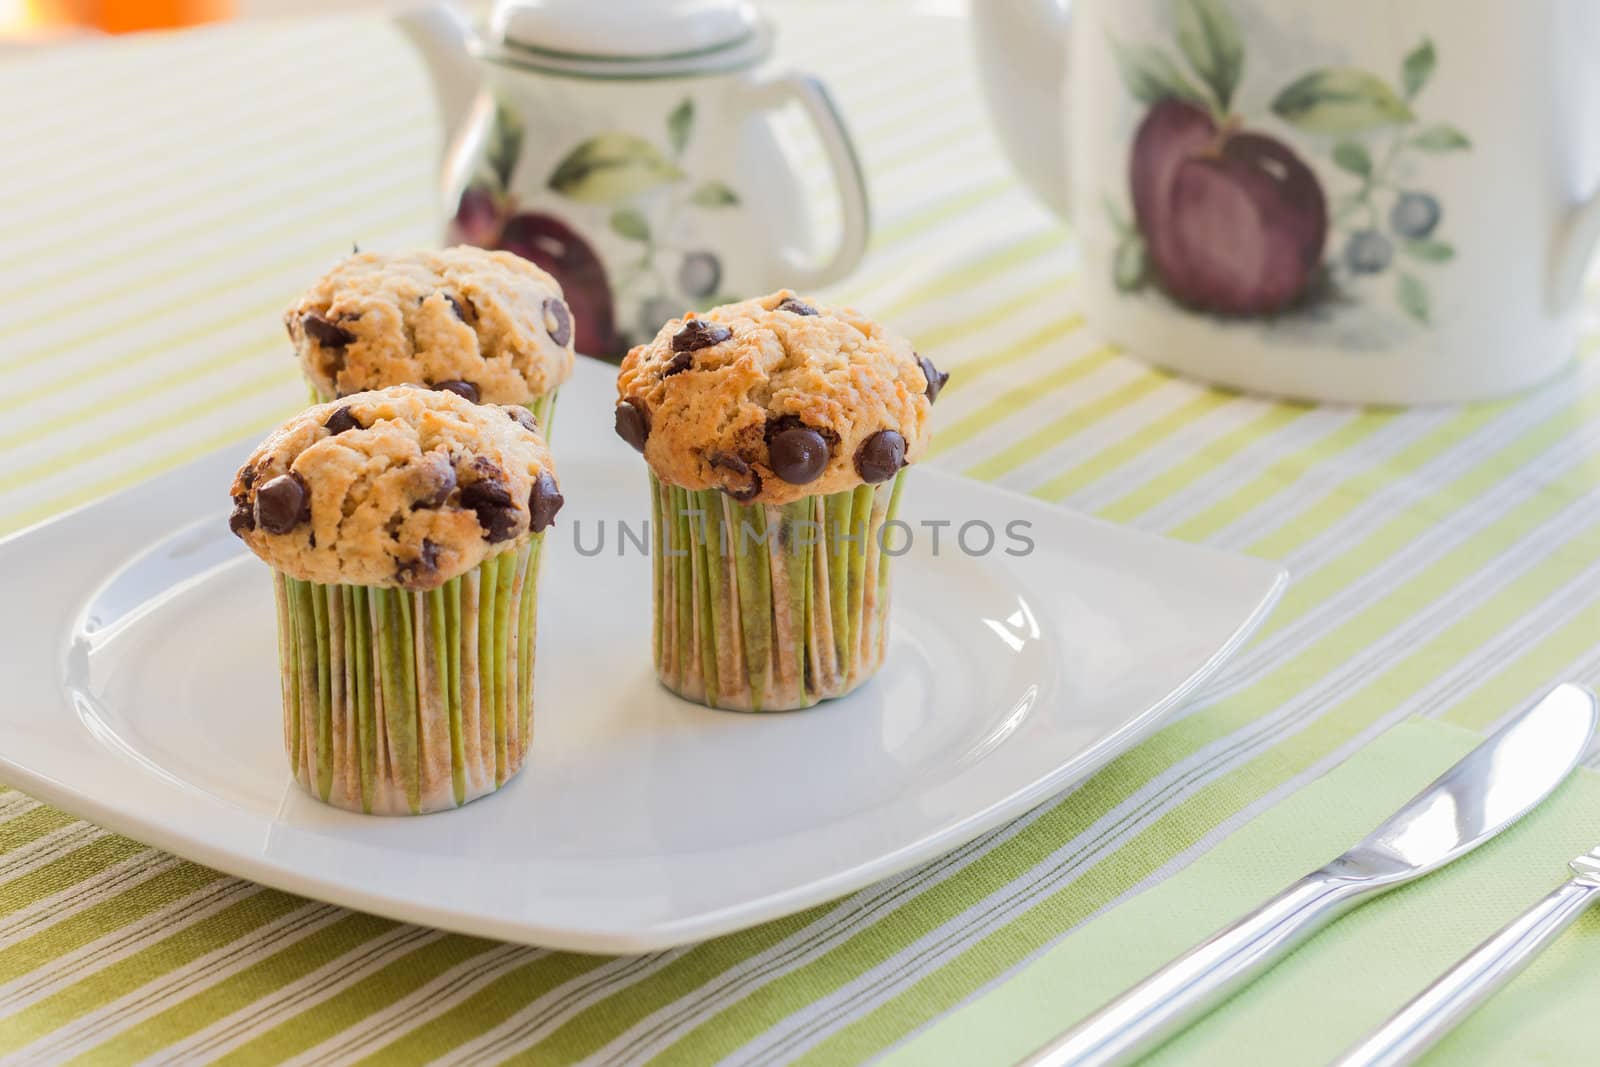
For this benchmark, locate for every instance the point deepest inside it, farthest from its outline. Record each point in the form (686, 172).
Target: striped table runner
(165, 197)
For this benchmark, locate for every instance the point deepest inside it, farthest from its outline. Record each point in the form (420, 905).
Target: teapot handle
(773, 92)
(1021, 51)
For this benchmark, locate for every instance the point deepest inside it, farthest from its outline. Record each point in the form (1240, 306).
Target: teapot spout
(445, 39)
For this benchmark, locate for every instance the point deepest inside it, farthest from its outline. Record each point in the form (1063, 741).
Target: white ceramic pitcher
(1364, 201)
(628, 147)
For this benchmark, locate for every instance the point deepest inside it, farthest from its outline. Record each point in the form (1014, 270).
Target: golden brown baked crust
(709, 407)
(400, 487)
(490, 319)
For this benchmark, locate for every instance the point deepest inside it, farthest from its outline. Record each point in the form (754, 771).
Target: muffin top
(488, 325)
(399, 487)
(774, 399)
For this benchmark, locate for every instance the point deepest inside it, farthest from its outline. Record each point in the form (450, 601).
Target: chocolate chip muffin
(776, 431)
(488, 326)
(403, 528)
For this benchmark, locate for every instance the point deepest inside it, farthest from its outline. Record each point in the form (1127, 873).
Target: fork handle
(1414, 1028)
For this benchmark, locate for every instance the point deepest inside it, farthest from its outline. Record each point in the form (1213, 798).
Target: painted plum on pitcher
(1230, 218)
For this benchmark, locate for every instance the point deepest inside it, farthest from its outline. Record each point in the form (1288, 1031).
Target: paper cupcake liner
(399, 702)
(543, 408)
(769, 608)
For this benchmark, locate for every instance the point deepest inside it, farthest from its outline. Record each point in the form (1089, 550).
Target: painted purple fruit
(557, 248)
(477, 218)
(1234, 221)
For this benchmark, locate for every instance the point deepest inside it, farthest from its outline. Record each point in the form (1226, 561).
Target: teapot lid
(625, 30)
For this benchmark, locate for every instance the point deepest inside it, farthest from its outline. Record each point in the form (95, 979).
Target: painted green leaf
(714, 194)
(631, 224)
(1441, 139)
(1210, 41)
(1150, 76)
(1429, 250)
(1118, 217)
(1413, 297)
(1417, 67)
(611, 167)
(505, 144)
(1340, 100)
(679, 125)
(1353, 157)
(1130, 265)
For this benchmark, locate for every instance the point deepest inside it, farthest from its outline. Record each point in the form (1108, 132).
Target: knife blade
(1494, 785)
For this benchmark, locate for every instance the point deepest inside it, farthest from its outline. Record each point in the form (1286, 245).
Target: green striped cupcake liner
(543, 408)
(398, 702)
(763, 607)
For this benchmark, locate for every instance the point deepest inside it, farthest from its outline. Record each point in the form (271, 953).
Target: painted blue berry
(1414, 215)
(1367, 252)
(699, 274)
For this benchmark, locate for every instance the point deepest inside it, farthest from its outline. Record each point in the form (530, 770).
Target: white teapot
(1359, 201)
(628, 147)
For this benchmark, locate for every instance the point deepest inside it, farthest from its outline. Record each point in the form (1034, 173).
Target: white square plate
(139, 644)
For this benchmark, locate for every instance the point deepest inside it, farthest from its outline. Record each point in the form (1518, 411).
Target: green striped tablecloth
(163, 198)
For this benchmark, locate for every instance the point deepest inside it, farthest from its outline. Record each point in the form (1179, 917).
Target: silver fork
(1414, 1028)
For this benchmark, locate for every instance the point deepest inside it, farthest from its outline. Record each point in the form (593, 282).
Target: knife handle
(1414, 1028)
(1203, 977)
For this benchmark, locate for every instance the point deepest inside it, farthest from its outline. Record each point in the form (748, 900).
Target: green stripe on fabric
(1134, 445)
(115, 913)
(1512, 684)
(995, 315)
(1020, 396)
(1281, 475)
(30, 826)
(149, 964)
(953, 283)
(485, 1009)
(65, 872)
(220, 999)
(364, 998)
(923, 219)
(1068, 424)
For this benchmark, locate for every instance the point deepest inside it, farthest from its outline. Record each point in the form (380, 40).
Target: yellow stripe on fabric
(237, 991)
(118, 912)
(1510, 686)
(1208, 457)
(947, 333)
(1070, 423)
(923, 219)
(1020, 396)
(953, 283)
(364, 998)
(147, 965)
(1281, 475)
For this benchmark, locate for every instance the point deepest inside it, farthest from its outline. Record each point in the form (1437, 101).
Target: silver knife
(1496, 784)
(1414, 1028)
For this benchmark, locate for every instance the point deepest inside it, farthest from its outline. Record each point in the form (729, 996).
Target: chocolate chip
(796, 306)
(679, 363)
(633, 423)
(797, 455)
(247, 477)
(417, 572)
(282, 503)
(881, 456)
(557, 321)
(340, 421)
(435, 481)
(242, 521)
(522, 417)
(490, 499)
(455, 305)
(465, 390)
(741, 467)
(543, 502)
(696, 334)
(936, 378)
(325, 333)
